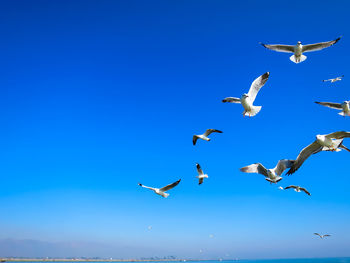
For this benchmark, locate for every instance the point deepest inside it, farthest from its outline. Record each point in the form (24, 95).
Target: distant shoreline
(99, 260)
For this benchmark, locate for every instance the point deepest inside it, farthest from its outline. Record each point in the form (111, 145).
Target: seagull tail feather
(254, 111)
(298, 59)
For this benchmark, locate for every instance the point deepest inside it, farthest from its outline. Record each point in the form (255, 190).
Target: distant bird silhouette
(299, 49)
(201, 175)
(271, 175)
(204, 136)
(321, 236)
(334, 79)
(247, 100)
(298, 189)
(328, 142)
(162, 191)
(344, 107)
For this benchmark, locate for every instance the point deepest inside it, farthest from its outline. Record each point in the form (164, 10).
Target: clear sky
(97, 96)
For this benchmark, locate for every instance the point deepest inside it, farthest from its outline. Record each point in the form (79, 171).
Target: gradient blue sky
(97, 96)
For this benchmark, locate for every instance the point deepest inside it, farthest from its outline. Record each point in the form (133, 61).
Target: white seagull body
(162, 191)
(344, 107)
(321, 236)
(328, 142)
(299, 49)
(271, 175)
(298, 189)
(334, 80)
(204, 136)
(201, 175)
(247, 100)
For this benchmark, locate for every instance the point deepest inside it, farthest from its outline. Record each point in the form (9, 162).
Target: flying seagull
(201, 175)
(344, 107)
(321, 236)
(328, 142)
(247, 100)
(298, 189)
(162, 191)
(334, 80)
(271, 175)
(204, 136)
(299, 49)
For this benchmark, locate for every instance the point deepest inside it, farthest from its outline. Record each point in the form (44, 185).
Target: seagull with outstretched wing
(200, 175)
(271, 175)
(162, 191)
(334, 79)
(299, 49)
(247, 100)
(322, 236)
(298, 189)
(204, 136)
(344, 107)
(329, 142)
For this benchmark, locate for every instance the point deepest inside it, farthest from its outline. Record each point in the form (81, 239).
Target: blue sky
(97, 96)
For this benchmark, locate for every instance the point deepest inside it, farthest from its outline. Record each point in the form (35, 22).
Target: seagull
(329, 142)
(281, 188)
(299, 49)
(321, 236)
(247, 100)
(204, 136)
(344, 107)
(149, 227)
(162, 191)
(334, 80)
(272, 175)
(201, 175)
(298, 189)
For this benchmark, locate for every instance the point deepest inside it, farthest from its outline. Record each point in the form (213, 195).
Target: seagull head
(320, 137)
(299, 42)
(245, 95)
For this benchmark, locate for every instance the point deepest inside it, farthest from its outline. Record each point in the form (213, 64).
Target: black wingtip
(139, 184)
(337, 39)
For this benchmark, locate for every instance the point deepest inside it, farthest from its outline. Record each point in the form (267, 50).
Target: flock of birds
(328, 142)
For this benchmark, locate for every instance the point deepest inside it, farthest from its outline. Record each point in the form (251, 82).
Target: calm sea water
(305, 260)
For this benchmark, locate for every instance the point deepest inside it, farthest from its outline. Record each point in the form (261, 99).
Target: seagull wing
(232, 100)
(305, 191)
(303, 155)
(319, 46)
(280, 48)
(326, 235)
(194, 139)
(210, 131)
(255, 168)
(317, 234)
(200, 181)
(338, 135)
(291, 186)
(257, 85)
(151, 188)
(283, 165)
(199, 169)
(330, 105)
(169, 186)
